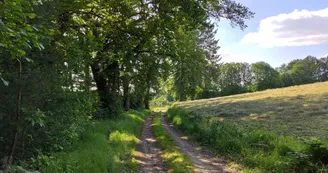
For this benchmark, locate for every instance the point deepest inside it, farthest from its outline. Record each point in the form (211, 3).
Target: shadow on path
(149, 154)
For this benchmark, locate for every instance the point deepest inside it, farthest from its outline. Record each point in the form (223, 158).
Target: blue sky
(281, 31)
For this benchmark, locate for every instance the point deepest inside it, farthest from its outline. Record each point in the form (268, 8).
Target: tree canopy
(65, 62)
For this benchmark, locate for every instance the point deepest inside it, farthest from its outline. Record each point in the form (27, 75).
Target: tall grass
(256, 150)
(172, 156)
(107, 146)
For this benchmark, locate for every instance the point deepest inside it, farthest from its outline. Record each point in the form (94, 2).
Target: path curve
(204, 161)
(148, 154)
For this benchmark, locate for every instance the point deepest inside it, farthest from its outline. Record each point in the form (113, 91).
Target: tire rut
(203, 161)
(148, 153)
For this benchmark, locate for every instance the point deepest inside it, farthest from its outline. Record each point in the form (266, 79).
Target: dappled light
(171, 155)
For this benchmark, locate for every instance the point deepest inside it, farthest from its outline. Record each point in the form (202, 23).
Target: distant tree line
(236, 78)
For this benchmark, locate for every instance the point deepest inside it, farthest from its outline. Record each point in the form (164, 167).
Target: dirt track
(149, 154)
(204, 161)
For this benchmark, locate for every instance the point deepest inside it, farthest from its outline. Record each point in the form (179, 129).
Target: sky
(281, 31)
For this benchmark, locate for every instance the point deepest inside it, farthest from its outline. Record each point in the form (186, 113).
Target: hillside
(298, 110)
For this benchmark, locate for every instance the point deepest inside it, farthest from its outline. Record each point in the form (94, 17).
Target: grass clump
(172, 156)
(106, 146)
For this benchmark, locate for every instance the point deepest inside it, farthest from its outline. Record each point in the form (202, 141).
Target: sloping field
(298, 111)
(280, 130)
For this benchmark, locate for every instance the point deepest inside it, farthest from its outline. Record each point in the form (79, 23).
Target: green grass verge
(255, 150)
(172, 156)
(107, 146)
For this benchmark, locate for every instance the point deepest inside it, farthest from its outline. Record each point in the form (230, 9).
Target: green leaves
(36, 119)
(31, 15)
(18, 34)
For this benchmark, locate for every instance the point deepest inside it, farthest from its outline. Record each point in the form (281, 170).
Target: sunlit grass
(108, 146)
(172, 156)
(280, 130)
(160, 109)
(299, 110)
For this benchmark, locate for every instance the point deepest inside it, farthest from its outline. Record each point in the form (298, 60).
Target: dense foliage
(64, 62)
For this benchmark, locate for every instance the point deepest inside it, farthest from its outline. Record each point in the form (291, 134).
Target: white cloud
(298, 28)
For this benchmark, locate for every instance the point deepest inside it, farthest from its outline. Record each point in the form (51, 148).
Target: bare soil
(148, 153)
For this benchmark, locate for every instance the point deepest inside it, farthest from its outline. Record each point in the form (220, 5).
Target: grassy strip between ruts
(107, 146)
(172, 156)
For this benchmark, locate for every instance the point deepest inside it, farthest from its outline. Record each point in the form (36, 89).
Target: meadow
(275, 130)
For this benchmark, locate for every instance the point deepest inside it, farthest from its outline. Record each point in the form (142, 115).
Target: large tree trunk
(147, 95)
(182, 96)
(101, 83)
(113, 82)
(126, 100)
(193, 93)
(108, 82)
(146, 100)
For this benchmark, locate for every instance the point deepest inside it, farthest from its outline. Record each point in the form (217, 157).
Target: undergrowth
(106, 146)
(255, 150)
(172, 156)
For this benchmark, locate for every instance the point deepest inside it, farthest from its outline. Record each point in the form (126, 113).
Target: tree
(264, 77)
(65, 61)
(234, 78)
(37, 105)
(323, 69)
(209, 45)
(304, 71)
